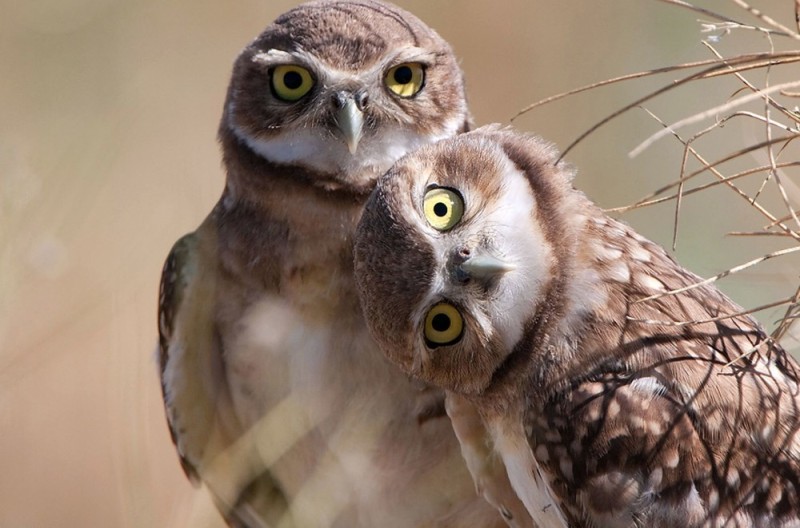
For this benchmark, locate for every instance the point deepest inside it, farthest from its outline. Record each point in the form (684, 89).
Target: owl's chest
(300, 330)
(343, 421)
(340, 424)
(316, 278)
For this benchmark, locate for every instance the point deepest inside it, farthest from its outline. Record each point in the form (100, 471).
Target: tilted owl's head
(456, 251)
(344, 87)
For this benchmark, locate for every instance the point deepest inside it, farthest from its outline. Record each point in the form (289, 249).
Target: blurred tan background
(108, 115)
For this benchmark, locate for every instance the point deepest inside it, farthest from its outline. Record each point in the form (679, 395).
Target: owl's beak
(484, 266)
(349, 119)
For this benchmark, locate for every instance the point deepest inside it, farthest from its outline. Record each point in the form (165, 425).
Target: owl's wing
(195, 395)
(675, 424)
(718, 443)
(178, 379)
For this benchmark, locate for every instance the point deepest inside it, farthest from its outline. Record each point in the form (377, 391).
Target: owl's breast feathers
(670, 410)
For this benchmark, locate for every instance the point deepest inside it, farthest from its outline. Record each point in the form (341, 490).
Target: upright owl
(611, 402)
(276, 395)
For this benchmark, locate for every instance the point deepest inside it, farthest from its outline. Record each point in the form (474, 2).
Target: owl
(615, 390)
(277, 398)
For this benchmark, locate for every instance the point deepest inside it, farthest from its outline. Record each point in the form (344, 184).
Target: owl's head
(344, 87)
(457, 251)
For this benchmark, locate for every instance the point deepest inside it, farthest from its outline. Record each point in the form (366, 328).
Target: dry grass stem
(652, 200)
(756, 233)
(767, 341)
(712, 319)
(711, 112)
(693, 190)
(739, 64)
(783, 30)
(797, 14)
(729, 271)
(704, 74)
(779, 28)
(789, 318)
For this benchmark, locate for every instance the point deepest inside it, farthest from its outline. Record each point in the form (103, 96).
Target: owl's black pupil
(292, 80)
(440, 209)
(440, 322)
(403, 75)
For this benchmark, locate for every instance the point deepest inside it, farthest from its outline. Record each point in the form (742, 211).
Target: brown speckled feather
(611, 402)
(663, 424)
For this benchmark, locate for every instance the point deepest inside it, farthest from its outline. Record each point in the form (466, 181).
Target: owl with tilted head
(617, 389)
(277, 398)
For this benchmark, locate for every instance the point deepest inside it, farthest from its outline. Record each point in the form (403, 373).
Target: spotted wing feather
(678, 412)
(179, 268)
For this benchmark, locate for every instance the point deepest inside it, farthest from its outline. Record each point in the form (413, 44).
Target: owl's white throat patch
(324, 152)
(521, 239)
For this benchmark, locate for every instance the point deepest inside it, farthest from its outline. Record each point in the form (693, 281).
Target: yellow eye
(406, 79)
(443, 208)
(290, 82)
(443, 325)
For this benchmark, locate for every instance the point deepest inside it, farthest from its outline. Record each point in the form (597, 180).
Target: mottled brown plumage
(277, 397)
(610, 402)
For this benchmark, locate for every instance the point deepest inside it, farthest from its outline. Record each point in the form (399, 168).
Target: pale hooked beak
(485, 266)
(349, 119)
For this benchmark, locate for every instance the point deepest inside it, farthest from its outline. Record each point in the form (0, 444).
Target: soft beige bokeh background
(108, 115)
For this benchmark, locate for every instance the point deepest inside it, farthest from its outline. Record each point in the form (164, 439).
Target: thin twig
(712, 14)
(759, 117)
(756, 233)
(613, 80)
(681, 178)
(713, 319)
(746, 353)
(742, 63)
(797, 14)
(708, 113)
(707, 73)
(711, 167)
(731, 271)
(783, 32)
(758, 207)
(783, 218)
(747, 83)
(755, 12)
(768, 118)
(787, 321)
(649, 202)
